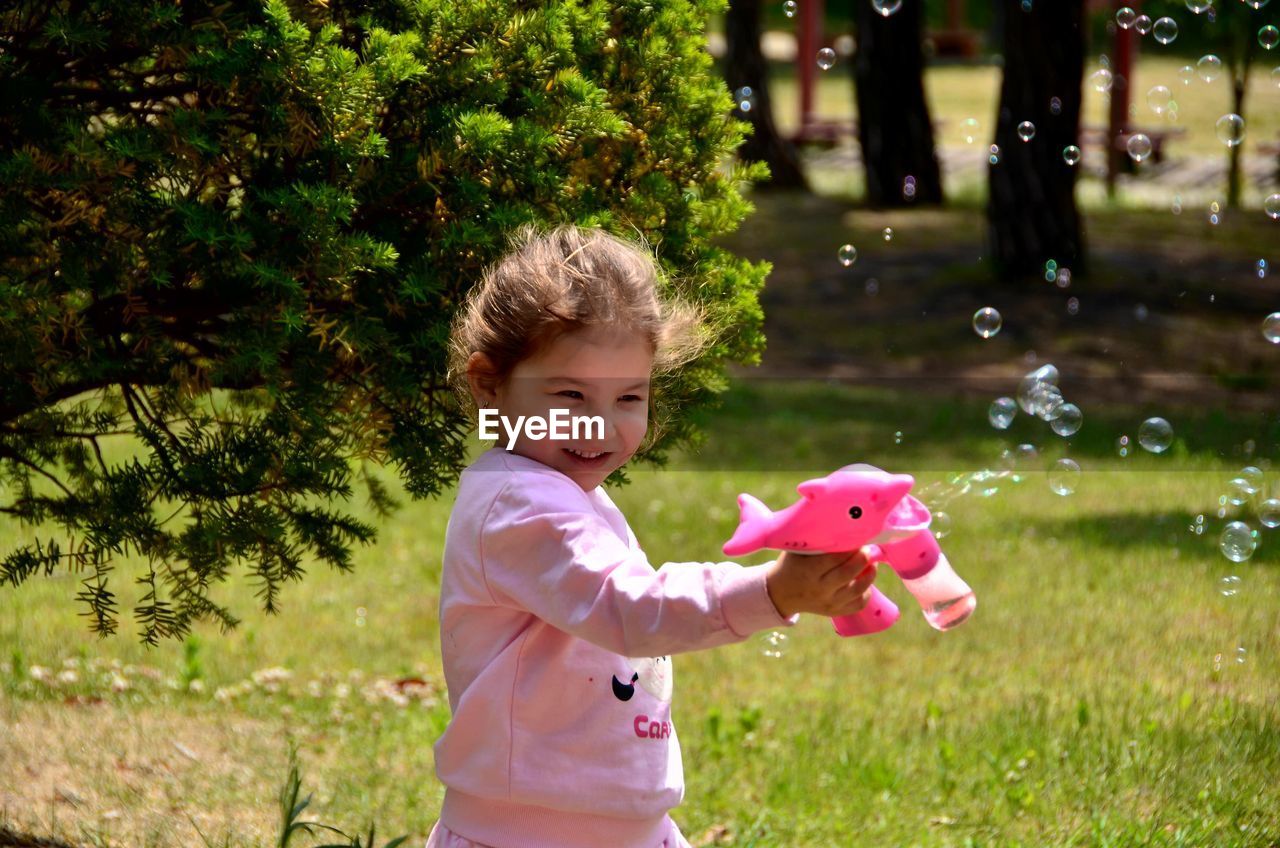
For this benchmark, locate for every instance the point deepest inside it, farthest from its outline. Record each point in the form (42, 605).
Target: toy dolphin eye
(855, 512)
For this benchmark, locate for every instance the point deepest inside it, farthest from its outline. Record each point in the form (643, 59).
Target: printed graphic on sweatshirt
(652, 674)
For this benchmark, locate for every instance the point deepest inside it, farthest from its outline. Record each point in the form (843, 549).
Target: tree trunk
(745, 66)
(1031, 206)
(894, 129)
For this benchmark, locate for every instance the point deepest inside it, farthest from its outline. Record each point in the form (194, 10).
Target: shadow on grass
(776, 424)
(1151, 530)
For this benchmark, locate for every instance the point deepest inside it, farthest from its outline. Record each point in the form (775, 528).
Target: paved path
(1198, 179)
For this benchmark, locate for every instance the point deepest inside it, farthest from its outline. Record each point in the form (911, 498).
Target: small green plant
(291, 808)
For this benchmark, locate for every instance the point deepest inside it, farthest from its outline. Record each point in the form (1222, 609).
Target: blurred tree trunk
(1031, 206)
(745, 66)
(894, 130)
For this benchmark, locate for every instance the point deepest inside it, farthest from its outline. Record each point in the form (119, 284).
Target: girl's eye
(630, 398)
(570, 392)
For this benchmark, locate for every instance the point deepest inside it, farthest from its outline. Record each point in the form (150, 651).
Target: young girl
(555, 631)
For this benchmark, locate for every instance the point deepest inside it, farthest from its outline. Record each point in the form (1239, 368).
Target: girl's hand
(825, 584)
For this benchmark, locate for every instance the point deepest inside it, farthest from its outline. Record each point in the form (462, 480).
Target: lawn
(1095, 697)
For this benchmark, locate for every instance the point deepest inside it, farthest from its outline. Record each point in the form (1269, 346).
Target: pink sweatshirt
(556, 635)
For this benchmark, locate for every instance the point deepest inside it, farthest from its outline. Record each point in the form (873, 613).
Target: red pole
(1121, 73)
(810, 37)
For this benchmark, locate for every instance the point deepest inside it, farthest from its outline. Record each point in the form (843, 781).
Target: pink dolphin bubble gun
(857, 506)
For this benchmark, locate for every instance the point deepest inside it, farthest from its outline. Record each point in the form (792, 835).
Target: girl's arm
(546, 550)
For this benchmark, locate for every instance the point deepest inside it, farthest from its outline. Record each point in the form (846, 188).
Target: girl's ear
(482, 379)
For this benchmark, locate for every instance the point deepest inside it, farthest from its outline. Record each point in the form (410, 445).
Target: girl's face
(595, 372)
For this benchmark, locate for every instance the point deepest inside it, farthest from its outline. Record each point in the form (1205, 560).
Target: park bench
(1097, 137)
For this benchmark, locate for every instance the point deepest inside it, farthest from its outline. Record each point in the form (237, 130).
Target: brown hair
(570, 278)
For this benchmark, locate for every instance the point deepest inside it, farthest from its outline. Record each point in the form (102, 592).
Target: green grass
(1079, 705)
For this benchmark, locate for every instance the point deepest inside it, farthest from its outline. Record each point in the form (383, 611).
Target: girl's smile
(600, 371)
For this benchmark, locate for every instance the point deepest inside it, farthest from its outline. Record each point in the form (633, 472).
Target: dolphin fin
(753, 526)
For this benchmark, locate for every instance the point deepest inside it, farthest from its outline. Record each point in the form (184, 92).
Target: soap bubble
(1239, 490)
(1271, 328)
(1165, 30)
(1256, 4)
(1122, 446)
(940, 525)
(1272, 206)
(1073, 305)
(1001, 412)
(888, 233)
(1064, 477)
(1268, 37)
(1139, 146)
(1026, 130)
(1158, 98)
(775, 644)
(1142, 24)
(1033, 387)
(1209, 67)
(1241, 654)
(1155, 435)
(1275, 75)
(1071, 154)
(789, 8)
(1186, 73)
(1055, 105)
(1229, 585)
(1101, 79)
(1262, 269)
(970, 129)
(1068, 420)
(885, 8)
(826, 58)
(994, 158)
(1125, 17)
(987, 322)
(1237, 541)
(745, 98)
(848, 254)
(1253, 478)
(1197, 527)
(1230, 129)
(1269, 513)
(1199, 7)
(1214, 209)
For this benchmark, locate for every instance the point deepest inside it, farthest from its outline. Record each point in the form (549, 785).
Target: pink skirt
(443, 837)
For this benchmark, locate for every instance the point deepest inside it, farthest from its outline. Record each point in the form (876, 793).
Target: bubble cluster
(987, 322)
(775, 644)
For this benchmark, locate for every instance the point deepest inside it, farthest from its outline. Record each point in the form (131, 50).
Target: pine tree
(237, 232)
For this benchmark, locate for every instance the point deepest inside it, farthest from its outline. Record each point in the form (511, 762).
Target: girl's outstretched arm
(545, 549)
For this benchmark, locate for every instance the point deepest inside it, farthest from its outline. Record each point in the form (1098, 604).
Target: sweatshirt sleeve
(545, 549)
